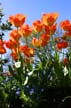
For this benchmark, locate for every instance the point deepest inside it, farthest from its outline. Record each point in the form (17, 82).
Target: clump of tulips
(38, 47)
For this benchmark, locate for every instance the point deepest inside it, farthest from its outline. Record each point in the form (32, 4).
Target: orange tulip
(38, 26)
(65, 25)
(14, 54)
(36, 42)
(23, 48)
(44, 43)
(65, 61)
(49, 18)
(44, 39)
(2, 48)
(53, 29)
(62, 44)
(47, 29)
(11, 44)
(17, 20)
(27, 51)
(50, 29)
(15, 35)
(1, 42)
(25, 30)
(31, 52)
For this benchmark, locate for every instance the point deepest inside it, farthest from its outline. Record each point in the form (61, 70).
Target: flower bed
(38, 72)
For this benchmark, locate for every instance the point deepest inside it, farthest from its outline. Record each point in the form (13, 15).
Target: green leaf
(13, 73)
(23, 96)
(11, 70)
(70, 73)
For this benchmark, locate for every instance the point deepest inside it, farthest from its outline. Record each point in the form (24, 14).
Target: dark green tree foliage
(3, 26)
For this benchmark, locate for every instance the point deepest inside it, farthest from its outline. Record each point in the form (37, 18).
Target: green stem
(1, 66)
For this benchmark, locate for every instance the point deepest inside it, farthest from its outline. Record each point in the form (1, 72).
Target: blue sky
(33, 9)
